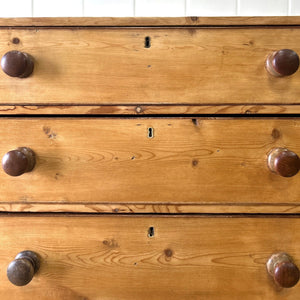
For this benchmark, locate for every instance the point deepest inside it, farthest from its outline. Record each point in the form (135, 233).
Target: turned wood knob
(284, 272)
(22, 269)
(18, 162)
(284, 62)
(17, 64)
(283, 162)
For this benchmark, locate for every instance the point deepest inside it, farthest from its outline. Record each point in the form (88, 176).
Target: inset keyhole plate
(150, 132)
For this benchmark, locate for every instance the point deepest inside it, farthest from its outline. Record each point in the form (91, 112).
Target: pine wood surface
(109, 165)
(151, 208)
(143, 110)
(100, 257)
(188, 66)
(103, 162)
(151, 21)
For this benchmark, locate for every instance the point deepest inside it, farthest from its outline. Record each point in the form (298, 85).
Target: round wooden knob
(17, 64)
(22, 269)
(283, 162)
(284, 62)
(18, 162)
(284, 272)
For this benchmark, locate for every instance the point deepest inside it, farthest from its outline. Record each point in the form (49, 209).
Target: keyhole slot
(151, 232)
(150, 132)
(147, 42)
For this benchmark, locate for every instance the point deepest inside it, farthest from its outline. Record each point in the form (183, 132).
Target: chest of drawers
(149, 158)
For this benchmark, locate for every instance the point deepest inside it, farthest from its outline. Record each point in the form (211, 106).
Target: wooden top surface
(151, 21)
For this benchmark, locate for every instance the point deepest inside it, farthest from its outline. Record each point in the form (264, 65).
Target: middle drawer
(151, 165)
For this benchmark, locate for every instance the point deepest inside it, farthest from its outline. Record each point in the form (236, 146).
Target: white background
(147, 8)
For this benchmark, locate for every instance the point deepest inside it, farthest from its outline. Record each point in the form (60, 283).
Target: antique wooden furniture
(150, 158)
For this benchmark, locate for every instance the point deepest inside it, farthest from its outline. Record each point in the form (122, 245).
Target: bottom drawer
(146, 257)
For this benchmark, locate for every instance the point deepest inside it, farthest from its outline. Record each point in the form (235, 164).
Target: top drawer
(150, 65)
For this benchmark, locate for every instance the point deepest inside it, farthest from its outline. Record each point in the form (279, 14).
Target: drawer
(101, 257)
(147, 65)
(150, 165)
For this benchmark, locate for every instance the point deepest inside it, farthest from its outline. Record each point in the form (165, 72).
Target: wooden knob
(284, 272)
(17, 64)
(284, 62)
(22, 269)
(283, 162)
(18, 162)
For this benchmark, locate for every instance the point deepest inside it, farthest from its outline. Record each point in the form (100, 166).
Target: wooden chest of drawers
(149, 158)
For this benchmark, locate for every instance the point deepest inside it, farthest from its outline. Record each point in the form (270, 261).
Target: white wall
(131, 8)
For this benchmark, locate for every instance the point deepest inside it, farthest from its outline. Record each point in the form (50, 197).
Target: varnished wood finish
(150, 21)
(19, 161)
(283, 270)
(113, 161)
(152, 208)
(171, 166)
(283, 162)
(17, 64)
(113, 257)
(22, 269)
(284, 62)
(182, 66)
(142, 110)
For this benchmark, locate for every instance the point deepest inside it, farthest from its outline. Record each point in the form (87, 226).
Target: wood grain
(142, 110)
(150, 21)
(151, 208)
(188, 66)
(113, 257)
(113, 161)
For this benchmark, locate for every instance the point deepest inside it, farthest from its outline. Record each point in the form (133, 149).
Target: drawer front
(114, 258)
(150, 165)
(177, 66)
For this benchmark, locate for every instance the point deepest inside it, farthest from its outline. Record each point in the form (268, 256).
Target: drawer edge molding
(149, 21)
(149, 109)
(150, 208)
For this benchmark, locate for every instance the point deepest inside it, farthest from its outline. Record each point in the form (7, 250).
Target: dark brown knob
(18, 162)
(284, 272)
(283, 162)
(22, 269)
(284, 62)
(17, 64)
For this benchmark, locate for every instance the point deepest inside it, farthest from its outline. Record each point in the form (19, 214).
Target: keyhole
(150, 132)
(151, 232)
(147, 42)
